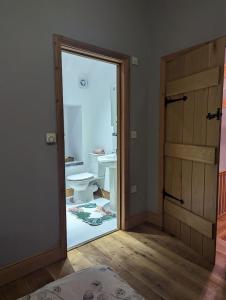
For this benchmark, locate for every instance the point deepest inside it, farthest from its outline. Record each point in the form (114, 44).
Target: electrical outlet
(133, 189)
(133, 134)
(50, 138)
(135, 61)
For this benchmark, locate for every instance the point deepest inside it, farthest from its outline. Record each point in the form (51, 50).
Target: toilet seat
(80, 177)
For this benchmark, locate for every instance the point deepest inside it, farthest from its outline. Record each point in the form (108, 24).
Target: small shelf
(74, 163)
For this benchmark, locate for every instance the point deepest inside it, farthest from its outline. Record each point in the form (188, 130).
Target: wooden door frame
(62, 43)
(162, 108)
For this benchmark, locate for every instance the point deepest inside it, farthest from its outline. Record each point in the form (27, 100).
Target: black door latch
(173, 197)
(216, 115)
(169, 100)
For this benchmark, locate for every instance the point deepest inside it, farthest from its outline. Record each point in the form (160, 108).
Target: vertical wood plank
(213, 126)
(199, 138)
(196, 241)
(198, 170)
(188, 120)
(172, 226)
(173, 176)
(198, 173)
(188, 129)
(217, 52)
(210, 202)
(174, 122)
(197, 59)
(162, 124)
(173, 169)
(185, 234)
(186, 193)
(209, 249)
(200, 113)
(175, 68)
(212, 139)
(186, 183)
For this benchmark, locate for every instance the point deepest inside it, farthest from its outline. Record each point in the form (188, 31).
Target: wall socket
(51, 138)
(133, 189)
(135, 61)
(133, 134)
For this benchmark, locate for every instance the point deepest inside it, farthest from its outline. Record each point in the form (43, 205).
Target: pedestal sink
(110, 161)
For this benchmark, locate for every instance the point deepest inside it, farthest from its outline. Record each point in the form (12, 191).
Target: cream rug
(97, 283)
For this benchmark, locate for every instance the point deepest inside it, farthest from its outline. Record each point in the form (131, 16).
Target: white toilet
(85, 183)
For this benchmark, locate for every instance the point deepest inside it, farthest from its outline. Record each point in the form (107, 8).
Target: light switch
(133, 134)
(135, 61)
(50, 138)
(133, 189)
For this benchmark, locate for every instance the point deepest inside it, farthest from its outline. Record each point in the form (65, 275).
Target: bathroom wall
(29, 214)
(94, 102)
(73, 131)
(174, 25)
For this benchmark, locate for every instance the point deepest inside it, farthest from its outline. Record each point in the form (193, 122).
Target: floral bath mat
(94, 212)
(97, 283)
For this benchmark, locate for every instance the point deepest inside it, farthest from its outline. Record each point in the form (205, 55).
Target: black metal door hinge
(174, 198)
(169, 100)
(216, 115)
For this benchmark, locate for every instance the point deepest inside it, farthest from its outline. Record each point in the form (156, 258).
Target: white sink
(109, 160)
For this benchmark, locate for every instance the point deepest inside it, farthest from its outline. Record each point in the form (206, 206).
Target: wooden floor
(157, 265)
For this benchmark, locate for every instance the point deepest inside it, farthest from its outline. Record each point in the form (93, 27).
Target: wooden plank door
(194, 78)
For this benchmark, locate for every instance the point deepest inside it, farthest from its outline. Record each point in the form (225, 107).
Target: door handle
(173, 197)
(169, 100)
(216, 115)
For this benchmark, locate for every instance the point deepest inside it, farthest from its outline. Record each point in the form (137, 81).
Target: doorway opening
(90, 146)
(93, 124)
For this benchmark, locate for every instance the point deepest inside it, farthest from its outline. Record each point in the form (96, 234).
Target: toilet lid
(80, 176)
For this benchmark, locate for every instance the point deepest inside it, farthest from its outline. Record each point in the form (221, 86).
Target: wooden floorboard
(157, 265)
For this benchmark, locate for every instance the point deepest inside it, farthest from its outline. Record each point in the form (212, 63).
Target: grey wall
(28, 172)
(28, 168)
(174, 25)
